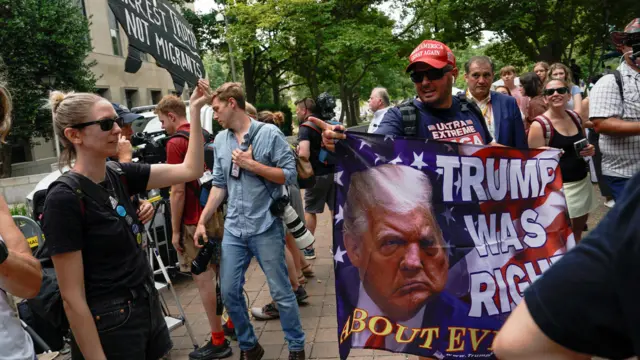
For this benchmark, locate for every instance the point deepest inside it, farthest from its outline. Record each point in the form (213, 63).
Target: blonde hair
(68, 109)
(251, 110)
(568, 77)
(230, 90)
(171, 104)
(6, 106)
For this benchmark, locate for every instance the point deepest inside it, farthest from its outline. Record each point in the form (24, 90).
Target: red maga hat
(432, 52)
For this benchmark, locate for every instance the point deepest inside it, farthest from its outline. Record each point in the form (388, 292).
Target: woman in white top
(562, 72)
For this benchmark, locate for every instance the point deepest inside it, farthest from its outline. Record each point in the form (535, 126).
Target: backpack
(410, 118)
(325, 157)
(201, 192)
(549, 131)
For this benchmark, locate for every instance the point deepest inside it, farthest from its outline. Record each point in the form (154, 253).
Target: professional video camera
(325, 105)
(281, 208)
(150, 147)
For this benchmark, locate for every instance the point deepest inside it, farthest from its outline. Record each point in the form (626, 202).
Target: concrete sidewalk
(318, 318)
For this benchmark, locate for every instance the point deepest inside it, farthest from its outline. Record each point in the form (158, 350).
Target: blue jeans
(268, 248)
(616, 184)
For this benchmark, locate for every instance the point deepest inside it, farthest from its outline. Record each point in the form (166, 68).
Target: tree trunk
(275, 83)
(6, 161)
(249, 80)
(356, 107)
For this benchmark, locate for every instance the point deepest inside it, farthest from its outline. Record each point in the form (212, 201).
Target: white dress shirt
(377, 118)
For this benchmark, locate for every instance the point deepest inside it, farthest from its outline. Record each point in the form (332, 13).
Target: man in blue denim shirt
(252, 179)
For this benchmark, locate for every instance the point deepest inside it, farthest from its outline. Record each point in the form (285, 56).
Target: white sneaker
(610, 204)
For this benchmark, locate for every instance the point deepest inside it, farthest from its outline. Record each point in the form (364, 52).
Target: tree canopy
(39, 39)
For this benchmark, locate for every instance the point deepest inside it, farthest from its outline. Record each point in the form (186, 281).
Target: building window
(21, 153)
(114, 32)
(104, 92)
(132, 98)
(156, 96)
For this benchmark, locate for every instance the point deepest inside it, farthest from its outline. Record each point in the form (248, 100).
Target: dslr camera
(281, 208)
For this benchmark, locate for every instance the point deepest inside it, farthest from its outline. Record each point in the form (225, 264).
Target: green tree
(41, 38)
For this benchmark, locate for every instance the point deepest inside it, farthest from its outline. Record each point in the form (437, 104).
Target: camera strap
(255, 132)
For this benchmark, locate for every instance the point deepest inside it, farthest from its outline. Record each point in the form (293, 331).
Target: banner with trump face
(435, 242)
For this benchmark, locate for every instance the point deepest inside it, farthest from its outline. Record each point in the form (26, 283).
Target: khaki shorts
(215, 229)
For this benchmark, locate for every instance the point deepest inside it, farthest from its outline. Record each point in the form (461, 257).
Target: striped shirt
(620, 154)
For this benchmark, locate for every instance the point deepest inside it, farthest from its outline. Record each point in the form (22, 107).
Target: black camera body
(278, 206)
(151, 147)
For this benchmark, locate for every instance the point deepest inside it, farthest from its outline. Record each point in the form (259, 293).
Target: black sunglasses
(560, 90)
(431, 74)
(105, 124)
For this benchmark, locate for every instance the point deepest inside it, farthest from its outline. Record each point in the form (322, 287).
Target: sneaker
(267, 312)
(309, 253)
(210, 351)
(296, 355)
(254, 354)
(301, 295)
(231, 333)
(610, 204)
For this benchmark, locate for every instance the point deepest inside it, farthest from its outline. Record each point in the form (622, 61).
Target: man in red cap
(586, 304)
(615, 112)
(434, 113)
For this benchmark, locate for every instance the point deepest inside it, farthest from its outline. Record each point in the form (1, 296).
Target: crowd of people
(584, 305)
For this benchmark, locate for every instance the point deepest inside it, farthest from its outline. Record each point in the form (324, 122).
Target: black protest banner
(157, 28)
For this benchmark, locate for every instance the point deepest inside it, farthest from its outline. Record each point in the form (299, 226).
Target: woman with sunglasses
(562, 72)
(561, 128)
(96, 246)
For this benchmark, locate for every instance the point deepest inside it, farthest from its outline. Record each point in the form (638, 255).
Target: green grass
(19, 209)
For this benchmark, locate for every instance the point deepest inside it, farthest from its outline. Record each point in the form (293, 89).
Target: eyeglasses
(105, 124)
(561, 91)
(431, 74)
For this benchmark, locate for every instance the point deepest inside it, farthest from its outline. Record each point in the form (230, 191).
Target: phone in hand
(580, 145)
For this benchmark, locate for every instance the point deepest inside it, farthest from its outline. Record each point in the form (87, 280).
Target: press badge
(235, 170)
(206, 177)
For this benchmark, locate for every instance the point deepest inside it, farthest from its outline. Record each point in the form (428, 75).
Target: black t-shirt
(588, 301)
(572, 166)
(113, 261)
(315, 139)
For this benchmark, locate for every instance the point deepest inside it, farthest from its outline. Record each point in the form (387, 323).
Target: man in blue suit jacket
(501, 112)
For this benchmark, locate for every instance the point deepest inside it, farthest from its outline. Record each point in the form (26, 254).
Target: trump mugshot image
(393, 295)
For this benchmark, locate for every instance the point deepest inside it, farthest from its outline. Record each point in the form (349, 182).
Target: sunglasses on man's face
(431, 74)
(105, 124)
(561, 91)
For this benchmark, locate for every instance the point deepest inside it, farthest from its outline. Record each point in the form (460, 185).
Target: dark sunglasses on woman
(561, 91)
(105, 124)
(431, 74)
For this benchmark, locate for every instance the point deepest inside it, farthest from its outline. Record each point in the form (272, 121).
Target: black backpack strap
(616, 74)
(74, 186)
(409, 118)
